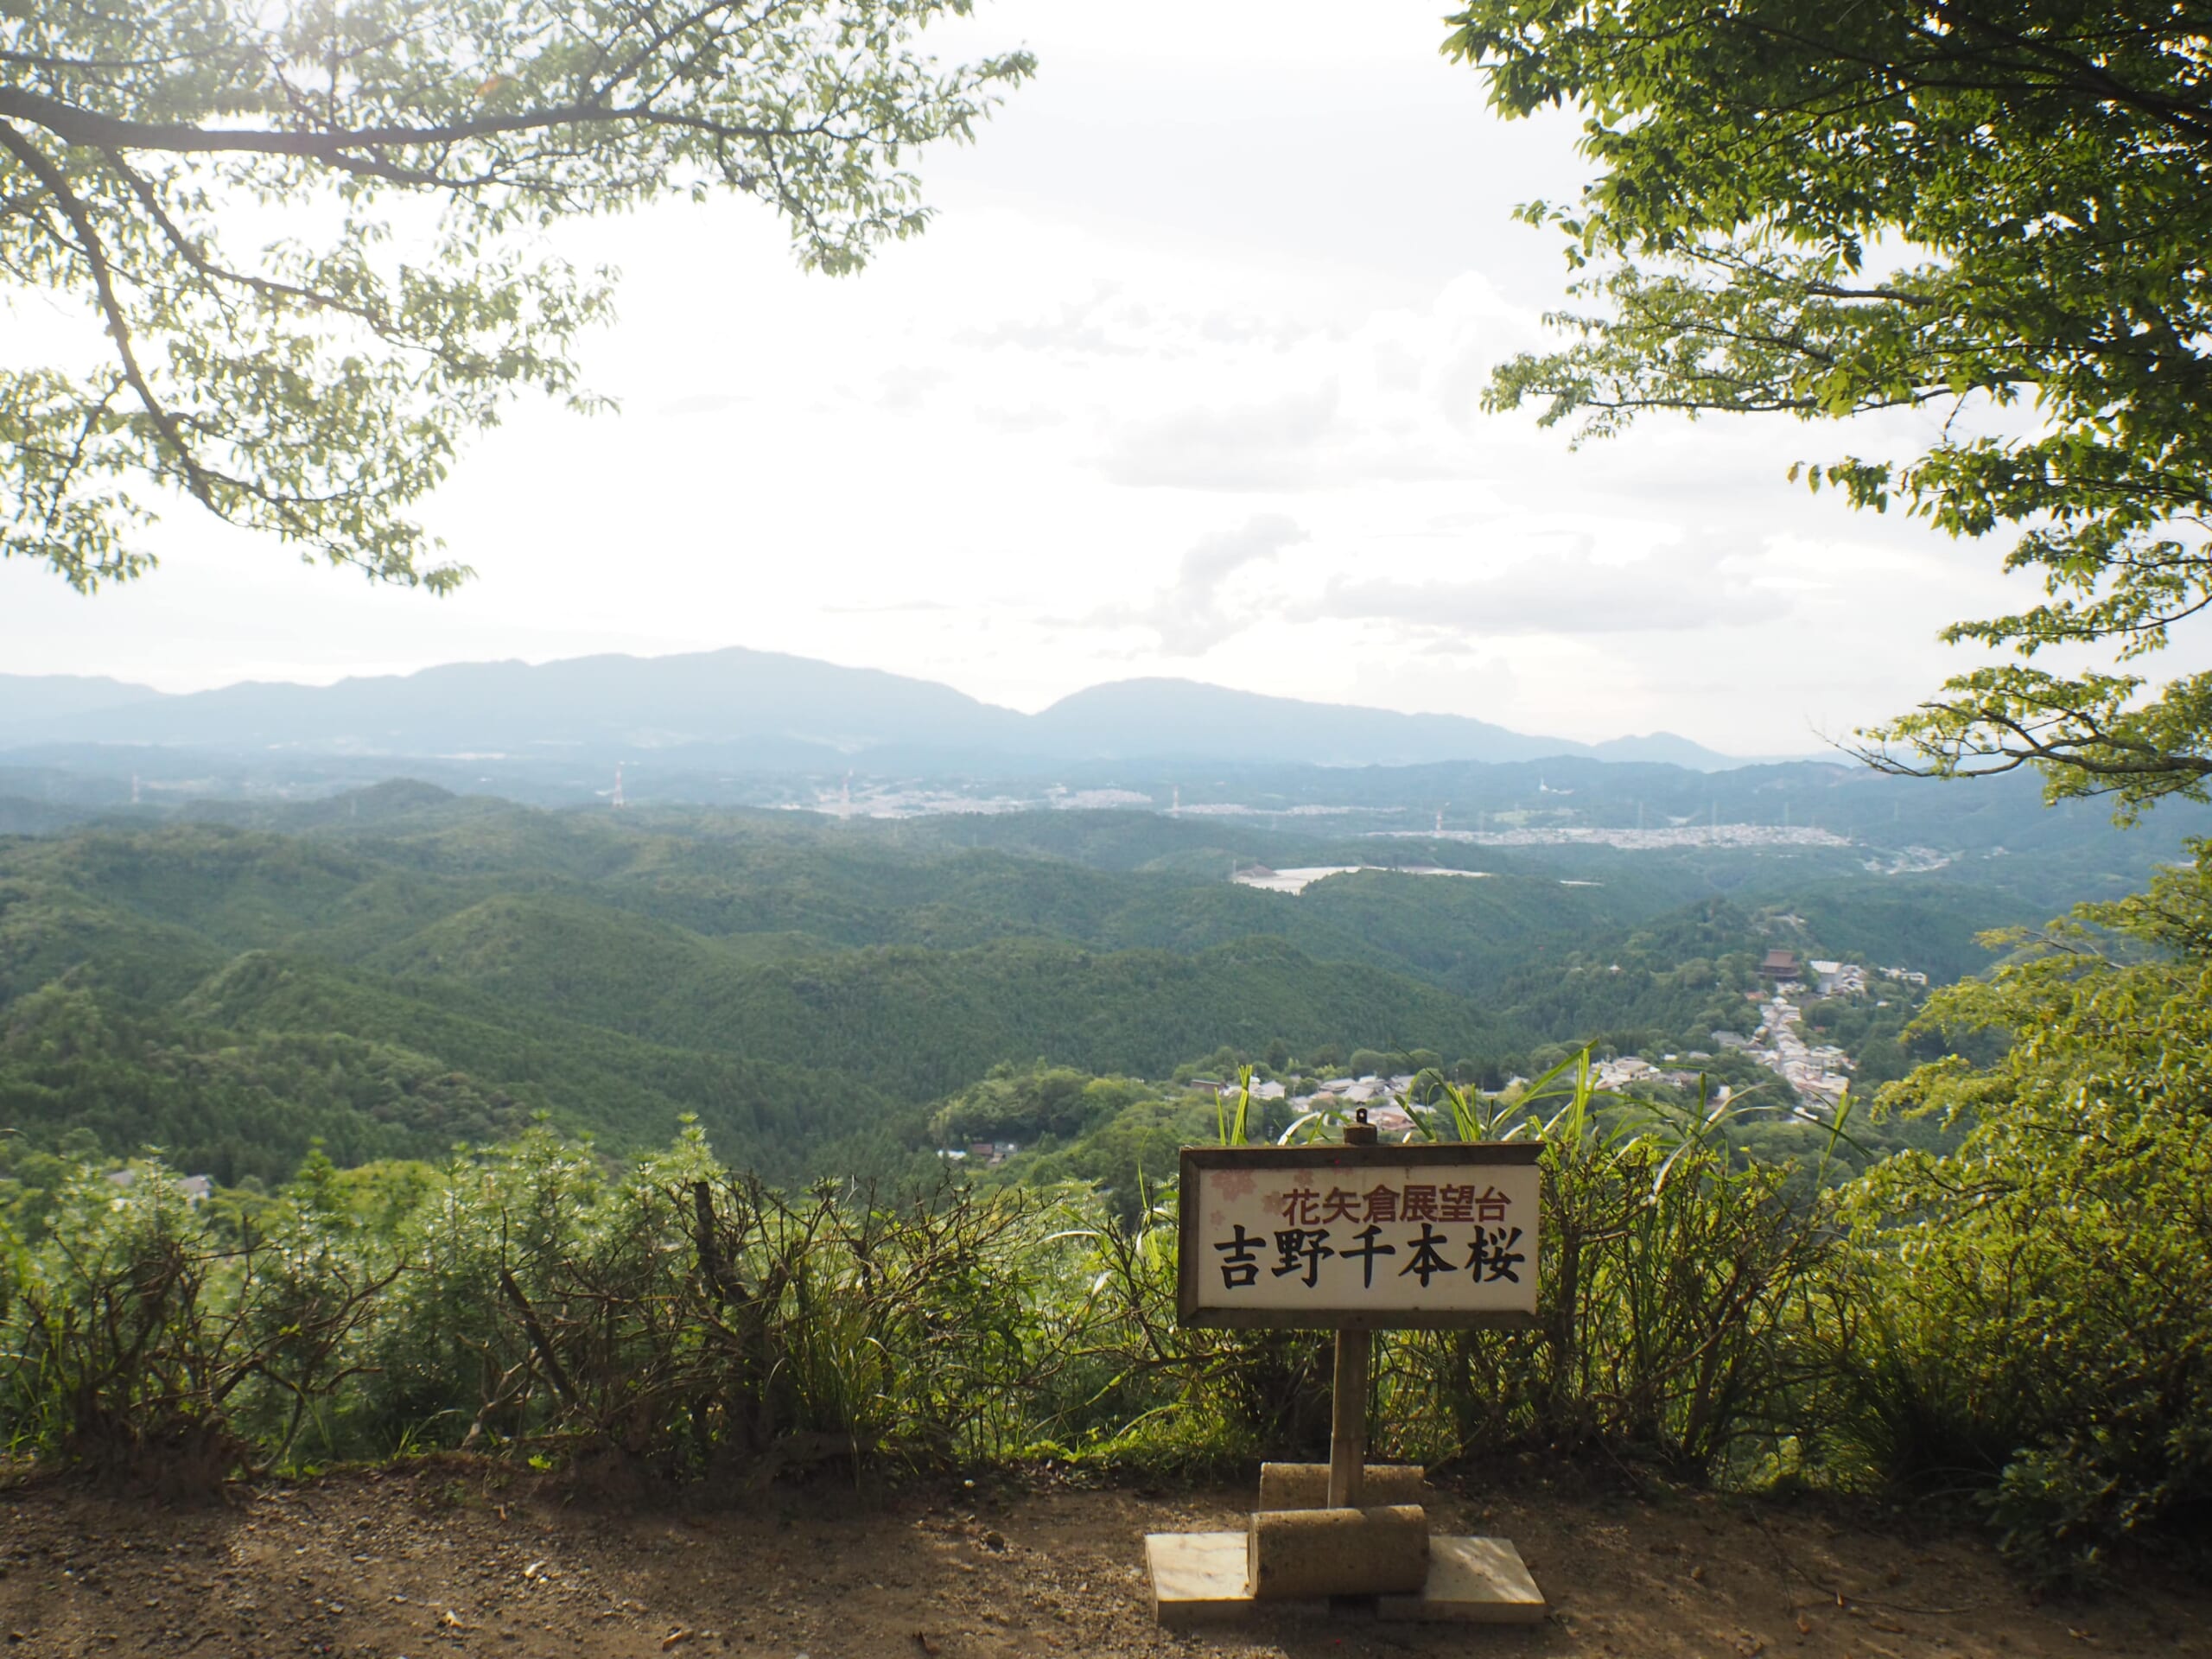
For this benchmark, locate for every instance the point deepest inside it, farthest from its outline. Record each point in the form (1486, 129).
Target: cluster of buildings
(1818, 1072)
(1384, 1097)
(1630, 1068)
(1669, 836)
(1844, 978)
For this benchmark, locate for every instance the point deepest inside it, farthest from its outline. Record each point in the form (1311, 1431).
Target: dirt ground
(436, 1560)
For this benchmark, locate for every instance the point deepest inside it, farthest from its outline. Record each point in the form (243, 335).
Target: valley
(386, 972)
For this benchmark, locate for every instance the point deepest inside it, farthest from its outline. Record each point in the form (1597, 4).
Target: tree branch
(377, 320)
(198, 479)
(332, 146)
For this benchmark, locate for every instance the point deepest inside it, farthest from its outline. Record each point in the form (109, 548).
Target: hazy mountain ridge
(764, 709)
(25, 698)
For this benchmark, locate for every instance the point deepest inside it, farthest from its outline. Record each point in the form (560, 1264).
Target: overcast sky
(1182, 381)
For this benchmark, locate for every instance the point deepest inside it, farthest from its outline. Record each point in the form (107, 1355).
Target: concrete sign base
(1200, 1578)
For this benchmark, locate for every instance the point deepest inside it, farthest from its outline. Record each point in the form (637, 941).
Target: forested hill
(396, 971)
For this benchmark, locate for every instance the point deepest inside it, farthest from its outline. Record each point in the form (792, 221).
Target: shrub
(136, 1345)
(2030, 1317)
(682, 1319)
(1675, 1295)
(669, 1319)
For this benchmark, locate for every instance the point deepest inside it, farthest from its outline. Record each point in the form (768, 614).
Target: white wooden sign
(1353, 1237)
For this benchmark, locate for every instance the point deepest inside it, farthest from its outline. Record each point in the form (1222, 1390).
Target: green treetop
(317, 387)
(1996, 209)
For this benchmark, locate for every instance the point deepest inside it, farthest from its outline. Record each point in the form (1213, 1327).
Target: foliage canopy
(1994, 210)
(2040, 1294)
(318, 387)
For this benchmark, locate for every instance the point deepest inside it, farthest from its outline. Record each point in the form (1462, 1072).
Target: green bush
(2030, 1316)
(1675, 1294)
(672, 1320)
(668, 1319)
(680, 1319)
(138, 1343)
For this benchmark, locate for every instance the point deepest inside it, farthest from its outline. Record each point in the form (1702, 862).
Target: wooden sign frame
(1325, 1156)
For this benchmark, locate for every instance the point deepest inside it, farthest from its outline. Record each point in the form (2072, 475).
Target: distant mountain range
(751, 708)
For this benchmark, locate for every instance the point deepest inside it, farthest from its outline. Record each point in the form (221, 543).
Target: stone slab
(1198, 1578)
(1473, 1581)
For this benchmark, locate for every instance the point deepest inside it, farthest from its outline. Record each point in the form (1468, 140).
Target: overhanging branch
(341, 146)
(197, 479)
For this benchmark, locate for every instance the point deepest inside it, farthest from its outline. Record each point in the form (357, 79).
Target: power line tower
(618, 802)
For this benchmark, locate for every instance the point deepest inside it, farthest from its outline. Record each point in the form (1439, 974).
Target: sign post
(1356, 1237)
(1348, 1387)
(1348, 1420)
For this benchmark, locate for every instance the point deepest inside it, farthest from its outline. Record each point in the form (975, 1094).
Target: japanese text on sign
(1403, 1242)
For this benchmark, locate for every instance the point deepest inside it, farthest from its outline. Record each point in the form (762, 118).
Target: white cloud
(701, 402)
(1192, 614)
(910, 386)
(1031, 417)
(1570, 591)
(1265, 446)
(1096, 325)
